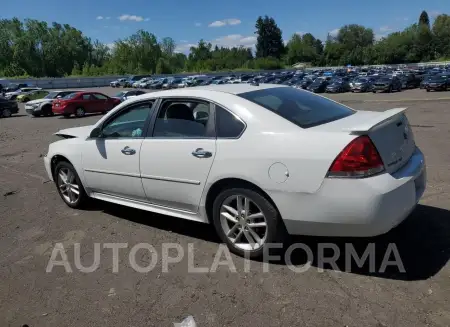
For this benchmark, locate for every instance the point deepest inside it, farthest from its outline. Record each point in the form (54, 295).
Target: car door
(100, 102)
(111, 161)
(178, 152)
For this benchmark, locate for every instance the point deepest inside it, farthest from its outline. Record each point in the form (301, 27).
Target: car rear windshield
(302, 108)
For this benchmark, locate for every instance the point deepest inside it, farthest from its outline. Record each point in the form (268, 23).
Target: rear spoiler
(373, 123)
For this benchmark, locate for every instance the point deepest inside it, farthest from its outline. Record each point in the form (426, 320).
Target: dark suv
(387, 84)
(438, 83)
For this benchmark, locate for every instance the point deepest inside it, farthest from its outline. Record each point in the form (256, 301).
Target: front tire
(6, 113)
(47, 111)
(69, 185)
(246, 221)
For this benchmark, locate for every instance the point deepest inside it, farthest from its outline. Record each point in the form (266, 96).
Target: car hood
(39, 101)
(82, 132)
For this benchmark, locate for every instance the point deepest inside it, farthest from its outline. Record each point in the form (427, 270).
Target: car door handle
(128, 151)
(201, 153)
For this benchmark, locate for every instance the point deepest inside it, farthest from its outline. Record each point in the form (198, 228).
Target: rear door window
(302, 108)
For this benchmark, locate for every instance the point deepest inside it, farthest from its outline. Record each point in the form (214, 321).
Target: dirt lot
(34, 218)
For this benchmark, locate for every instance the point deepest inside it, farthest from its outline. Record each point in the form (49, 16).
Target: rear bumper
(355, 207)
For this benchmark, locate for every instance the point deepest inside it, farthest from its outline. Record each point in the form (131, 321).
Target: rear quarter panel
(270, 139)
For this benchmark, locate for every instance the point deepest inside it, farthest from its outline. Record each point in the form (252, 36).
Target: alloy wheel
(243, 223)
(68, 186)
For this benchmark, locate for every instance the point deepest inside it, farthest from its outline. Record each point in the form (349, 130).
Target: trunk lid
(389, 131)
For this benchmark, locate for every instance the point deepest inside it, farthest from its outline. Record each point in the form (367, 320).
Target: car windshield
(302, 108)
(120, 94)
(52, 95)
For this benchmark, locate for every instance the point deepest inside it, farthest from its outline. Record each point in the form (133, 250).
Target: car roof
(209, 91)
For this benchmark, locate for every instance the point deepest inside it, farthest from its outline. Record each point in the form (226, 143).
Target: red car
(81, 103)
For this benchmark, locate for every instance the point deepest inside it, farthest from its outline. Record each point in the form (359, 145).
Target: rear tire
(79, 112)
(69, 185)
(253, 230)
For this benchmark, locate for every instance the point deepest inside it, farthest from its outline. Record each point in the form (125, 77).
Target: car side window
(182, 119)
(129, 123)
(227, 124)
(86, 97)
(99, 96)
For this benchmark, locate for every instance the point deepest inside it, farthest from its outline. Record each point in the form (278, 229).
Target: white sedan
(253, 160)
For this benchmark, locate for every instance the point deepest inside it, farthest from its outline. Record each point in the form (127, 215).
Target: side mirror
(96, 133)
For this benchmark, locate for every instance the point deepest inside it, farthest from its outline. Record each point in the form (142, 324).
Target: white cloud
(434, 13)
(378, 37)
(198, 24)
(184, 48)
(108, 18)
(146, 20)
(131, 18)
(385, 29)
(228, 41)
(235, 40)
(99, 17)
(229, 21)
(334, 32)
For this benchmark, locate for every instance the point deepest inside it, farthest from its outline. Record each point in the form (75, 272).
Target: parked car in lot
(172, 83)
(13, 95)
(387, 84)
(157, 84)
(81, 103)
(439, 83)
(118, 83)
(32, 95)
(318, 86)
(8, 108)
(254, 161)
(43, 107)
(132, 79)
(338, 86)
(361, 84)
(12, 87)
(426, 79)
(125, 95)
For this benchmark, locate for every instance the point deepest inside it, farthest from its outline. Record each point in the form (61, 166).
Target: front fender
(71, 150)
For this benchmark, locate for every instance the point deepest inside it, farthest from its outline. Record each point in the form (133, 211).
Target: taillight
(359, 159)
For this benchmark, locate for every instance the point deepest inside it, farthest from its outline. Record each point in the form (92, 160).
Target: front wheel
(246, 221)
(6, 113)
(69, 185)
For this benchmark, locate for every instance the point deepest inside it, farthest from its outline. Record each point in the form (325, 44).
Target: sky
(225, 23)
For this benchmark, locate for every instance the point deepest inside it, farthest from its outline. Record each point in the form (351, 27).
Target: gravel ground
(34, 218)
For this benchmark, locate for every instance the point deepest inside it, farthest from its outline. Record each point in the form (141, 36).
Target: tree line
(35, 48)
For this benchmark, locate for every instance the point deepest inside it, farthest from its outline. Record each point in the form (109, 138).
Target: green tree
(270, 40)
(424, 19)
